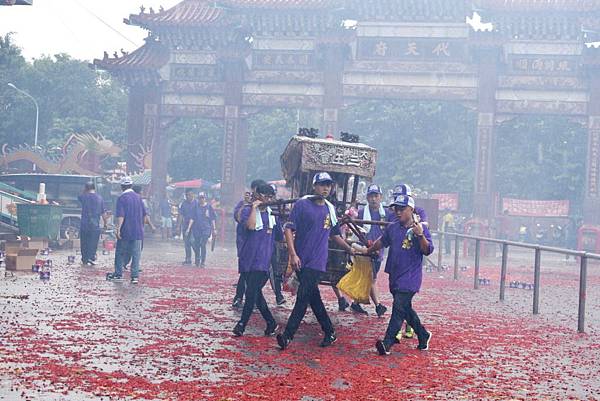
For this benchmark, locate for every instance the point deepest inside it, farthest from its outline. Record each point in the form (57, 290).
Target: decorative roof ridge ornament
(510, 6)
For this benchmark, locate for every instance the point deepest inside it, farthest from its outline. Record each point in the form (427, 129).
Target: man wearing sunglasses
(408, 241)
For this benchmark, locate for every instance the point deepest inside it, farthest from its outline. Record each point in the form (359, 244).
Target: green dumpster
(39, 220)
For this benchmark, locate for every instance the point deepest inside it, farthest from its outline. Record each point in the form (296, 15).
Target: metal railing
(583, 257)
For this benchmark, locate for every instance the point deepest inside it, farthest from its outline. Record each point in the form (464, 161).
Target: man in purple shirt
(187, 208)
(240, 288)
(408, 241)
(374, 212)
(130, 213)
(92, 209)
(311, 223)
(404, 189)
(255, 257)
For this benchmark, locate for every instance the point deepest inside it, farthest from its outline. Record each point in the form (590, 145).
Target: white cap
(322, 177)
(126, 180)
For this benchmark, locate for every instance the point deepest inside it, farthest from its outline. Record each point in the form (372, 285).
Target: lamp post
(37, 115)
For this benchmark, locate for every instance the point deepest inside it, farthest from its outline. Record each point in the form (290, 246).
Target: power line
(105, 23)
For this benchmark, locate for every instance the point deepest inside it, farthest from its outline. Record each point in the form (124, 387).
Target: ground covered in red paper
(79, 337)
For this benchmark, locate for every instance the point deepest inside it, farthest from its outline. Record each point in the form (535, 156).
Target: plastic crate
(40, 221)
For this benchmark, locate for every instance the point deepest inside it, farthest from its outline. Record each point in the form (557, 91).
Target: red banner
(447, 201)
(536, 208)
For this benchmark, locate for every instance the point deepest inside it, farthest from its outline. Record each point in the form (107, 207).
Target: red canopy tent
(198, 183)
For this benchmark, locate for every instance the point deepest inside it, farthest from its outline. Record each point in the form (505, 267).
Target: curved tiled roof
(540, 5)
(188, 12)
(409, 10)
(281, 4)
(150, 56)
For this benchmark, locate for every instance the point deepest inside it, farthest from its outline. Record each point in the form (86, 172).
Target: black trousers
(308, 294)
(255, 281)
(240, 289)
(276, 273)
(89, 244)
(199, 246)
(188, 244)
(401, 311)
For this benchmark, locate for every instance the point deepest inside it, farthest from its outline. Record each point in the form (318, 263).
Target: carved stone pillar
(235, 144)
(154, 135)
(332, 53)
(483, 195)
(482, 198)
(142, 116)
(591, 196)
(235, 141)
(591, 199)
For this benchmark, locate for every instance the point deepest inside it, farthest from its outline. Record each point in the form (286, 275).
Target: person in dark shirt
(201, 226)
(408, 241)
(130, 214)
(255, 257)
(92, 211)
(311, 223)
(186, 213)
(165, 217)
(240, 287)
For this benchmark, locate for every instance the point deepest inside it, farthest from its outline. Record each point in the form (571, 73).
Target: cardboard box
(36, 243)
(11, 247)
(21, 260)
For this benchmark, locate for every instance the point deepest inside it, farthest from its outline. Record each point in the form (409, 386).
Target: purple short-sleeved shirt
(391, 216)
(256, 246)
(92, 207)
(312, 225)
(203, 217)
(405, 259)
(376, 231)
(131, 208)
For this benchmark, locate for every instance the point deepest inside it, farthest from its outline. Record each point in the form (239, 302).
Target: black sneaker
(328, 340)
(283, 341)
(237, 303)
(271, 329)
(134, 280)
(380, 310)
(280, 301)
(113, 277)
(343, 304)
(382, 348)
(424, 342)
(358, 309)
(187, 262)
(238, 330)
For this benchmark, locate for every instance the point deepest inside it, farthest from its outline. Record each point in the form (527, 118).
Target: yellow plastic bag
(358, 281)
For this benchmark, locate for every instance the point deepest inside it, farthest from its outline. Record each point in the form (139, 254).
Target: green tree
(541, 157)
(195, 149)
(72, 98)
(268, 134)
(429, 145)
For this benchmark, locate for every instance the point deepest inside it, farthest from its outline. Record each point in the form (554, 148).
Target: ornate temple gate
(228, 59)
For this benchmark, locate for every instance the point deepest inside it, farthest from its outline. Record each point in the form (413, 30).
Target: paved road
(79, 337)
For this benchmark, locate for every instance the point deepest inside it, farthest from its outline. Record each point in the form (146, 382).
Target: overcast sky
(76, 27)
